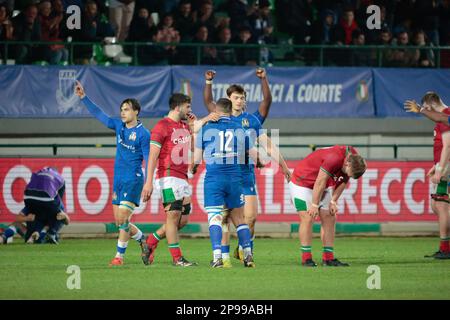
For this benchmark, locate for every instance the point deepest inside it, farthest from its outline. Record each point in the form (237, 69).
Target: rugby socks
(443, 247)
(306, 253)
(244, 238)
(328, 253)
(153, 239)
(11, 231)
(175, 251)
(225, 252)
(138, 236)
(121, 248)
(215, 234)
(42, 236)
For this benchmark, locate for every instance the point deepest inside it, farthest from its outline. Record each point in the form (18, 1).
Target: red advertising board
(388, 191)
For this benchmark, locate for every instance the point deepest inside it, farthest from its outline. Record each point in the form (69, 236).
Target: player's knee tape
(127, 206)
(186, 209)
(215, 219)
(440, 197)
(177, 205)
(125, 226)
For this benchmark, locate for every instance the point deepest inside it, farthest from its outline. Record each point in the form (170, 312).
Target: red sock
(306, 256)
(175, 252)
(444, 246)
(327, 256)
(152, 240)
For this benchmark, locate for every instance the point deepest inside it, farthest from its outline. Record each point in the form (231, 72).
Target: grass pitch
(39, 271)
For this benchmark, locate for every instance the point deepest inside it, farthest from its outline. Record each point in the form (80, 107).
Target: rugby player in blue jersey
(252, 123)
(133, 145)
(222, 145)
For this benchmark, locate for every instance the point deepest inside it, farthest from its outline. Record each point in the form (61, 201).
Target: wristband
(209, 81)
(314, 205)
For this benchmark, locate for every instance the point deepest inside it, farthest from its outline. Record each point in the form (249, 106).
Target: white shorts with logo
(172, 189)
(302, 197)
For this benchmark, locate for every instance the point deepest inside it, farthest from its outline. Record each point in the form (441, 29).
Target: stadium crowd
(404, 23)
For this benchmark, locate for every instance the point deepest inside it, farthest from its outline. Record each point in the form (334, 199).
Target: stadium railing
(283, 54)
(395, 147)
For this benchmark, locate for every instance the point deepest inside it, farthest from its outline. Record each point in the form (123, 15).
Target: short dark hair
(224, 105)
(235, 88)
(431, 97)
(135, 105)
(177, 99)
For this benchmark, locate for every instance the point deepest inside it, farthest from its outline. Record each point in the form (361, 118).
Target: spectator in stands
(402, 57)
(360, 57)
(246, 56)
(239, 12)
(261, 19)
(225, 54)
(26, 27)
(445, 53)
(50, 22)
(299, 16)
(205, 16)
(344, 29)
(184, 20)
(166, 33)
(142, 29)
(9, 5)
(94, 28)
(373, 35)
(208, 54)
(424, 57)
(6, 29)
(120, 16)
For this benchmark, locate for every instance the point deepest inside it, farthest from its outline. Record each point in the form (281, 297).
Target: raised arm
(412, 106)
(93, 108)
(207, 91)
(264, 106)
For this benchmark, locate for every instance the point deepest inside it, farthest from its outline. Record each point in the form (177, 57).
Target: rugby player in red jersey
(316, 184)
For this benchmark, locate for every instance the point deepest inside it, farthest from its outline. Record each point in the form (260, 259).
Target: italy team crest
(132, 136)
(245, 123)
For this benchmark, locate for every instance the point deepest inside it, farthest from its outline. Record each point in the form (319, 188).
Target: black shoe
(51, 238)
(309, 263)
(145, 251)
(442, 255)
(434, 255)
(217, 264)
(334, 263)
(248, 262)
(238, 254)
(182, 262)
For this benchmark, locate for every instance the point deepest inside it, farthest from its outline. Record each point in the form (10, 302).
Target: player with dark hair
(222, 145)
(316, 185)
(169, 151)
(431, 105)
(133, 141)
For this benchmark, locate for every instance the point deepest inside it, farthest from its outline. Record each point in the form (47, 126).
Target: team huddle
(229, 142)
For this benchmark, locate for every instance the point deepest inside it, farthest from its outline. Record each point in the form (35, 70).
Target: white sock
(225, 255)
(247, 252)
(121, 245)
(138, 235)
(217, 254)
(240, 248)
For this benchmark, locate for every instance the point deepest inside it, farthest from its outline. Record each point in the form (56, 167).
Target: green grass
(39, 271)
